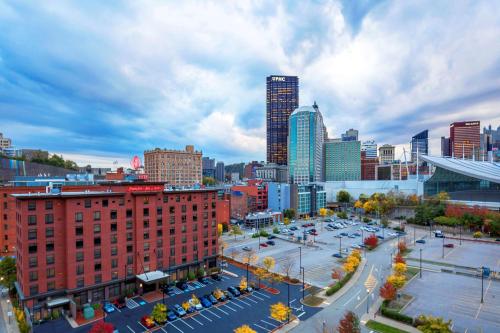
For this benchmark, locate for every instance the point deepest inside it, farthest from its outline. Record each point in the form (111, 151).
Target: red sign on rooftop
(145, 188)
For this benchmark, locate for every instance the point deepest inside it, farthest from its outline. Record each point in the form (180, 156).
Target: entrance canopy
(152, 276)
(57, 302)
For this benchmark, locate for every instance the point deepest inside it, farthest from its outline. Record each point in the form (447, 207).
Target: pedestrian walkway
(7, 324)
(372, 315)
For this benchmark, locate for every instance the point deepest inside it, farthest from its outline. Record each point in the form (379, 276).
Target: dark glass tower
(282, 99)
(421, 140)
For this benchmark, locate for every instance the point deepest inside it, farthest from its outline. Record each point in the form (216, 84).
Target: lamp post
(482, 284)
(222, 256)
(340, 245)
(300, 256)
(303, 282)
(443, 245)
(414, 235)
(460, 234)
(420, 263)
(248, 264)
(288, 286)
(367, 300)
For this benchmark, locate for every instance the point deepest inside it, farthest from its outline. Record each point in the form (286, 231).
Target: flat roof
(39, 195)
(152, 276)
(476, 169)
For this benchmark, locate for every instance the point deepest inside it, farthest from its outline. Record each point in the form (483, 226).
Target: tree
(398, 281)
(208, 181)
(323, 212)
(102, 327)
(343, 196)
(261, 274)
(349, 324)
(286, 221)
(236, 230)
(220, 229)
(159, 313)
(244, 329)
(250, 257)
(269, 263)
(286, 266)
(352, 262)
(337, 274)
(400, 268)
(289, 213)
(442, 196)
(8, 272)
(243, 283)
(369, 206)
(358, 204)
(399, 259)
(186, 305)
(402, 247)
(280, 311)
(388, 291)
(371, 241)
(430, 324)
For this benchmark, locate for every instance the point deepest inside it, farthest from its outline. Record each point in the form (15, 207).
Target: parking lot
(252, 309)
(458, 298)
(317, 253)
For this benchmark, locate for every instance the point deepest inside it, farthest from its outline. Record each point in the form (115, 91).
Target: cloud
(116, 78)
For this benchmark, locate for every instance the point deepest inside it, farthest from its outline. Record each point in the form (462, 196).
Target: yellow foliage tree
(323, 212)
(351, 264)
(398, 281)
(269, 263)
(286, 221)
(195, 300)
(218, 293)
(219, 229)
(358, 204)
(280, 311)
(357, 254)
(400, 268)
(244, 329)
(369, 206)
(186, 305)
(243, 283)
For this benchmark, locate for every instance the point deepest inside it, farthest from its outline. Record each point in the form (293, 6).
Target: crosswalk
(131, 304)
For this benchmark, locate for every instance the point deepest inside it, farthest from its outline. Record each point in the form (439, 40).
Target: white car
(392, 234)
(196, 306)
(284, 231)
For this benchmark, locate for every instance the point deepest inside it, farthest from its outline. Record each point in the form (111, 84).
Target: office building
(394, 171)
(465, 139)
(386, 154)
(248, 198)
(263, 219)
(278, 196)
(368, 166)
(272, 173)
(445, 147)
(174, 167)
(88, 246)
(220, 174)
(5, 142)
(342, 160)
(307, 199)
(208, 167)
(282, 98)
(490, 144)
(249, 170)
(305, 145)
(419, 144)
(350, 135)
(370, 147)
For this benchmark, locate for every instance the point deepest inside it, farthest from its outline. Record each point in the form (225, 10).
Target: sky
(102, 81)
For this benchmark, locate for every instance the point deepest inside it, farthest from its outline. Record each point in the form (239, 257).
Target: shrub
(294, 280)
(190, 276)
(366, 219)
(371, 241)
(393, 314)
(477, 234)
(410, 220)
(256, 235)
(342, 215)
(200, 272)
(333, 289)
(387, 291)
(276, 230)
(264, 233)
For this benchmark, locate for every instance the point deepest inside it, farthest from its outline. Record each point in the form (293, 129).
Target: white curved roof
(482, 170)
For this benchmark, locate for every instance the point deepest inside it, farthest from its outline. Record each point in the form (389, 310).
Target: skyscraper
(208, 167)
(219, 172)
(386, 154)
(465, 139)
(282, 98)
(305, 145)
(420, 143)
(370, 148)
(342, 160)
(350, 135)
(445, 147)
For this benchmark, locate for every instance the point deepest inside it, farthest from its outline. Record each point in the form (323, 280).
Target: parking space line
(196, 320)
(243, 302)
(201, 314)
(182, 321)
(131, 330)
(273, 325)
(274, 319)
(174, 327)
(142, 325)
(264, 295)
(266, 329)
(116, 308)
(213, 313)
(251, 300)
(253, 295)
(229, 307)
(216, 307)
(234, 303)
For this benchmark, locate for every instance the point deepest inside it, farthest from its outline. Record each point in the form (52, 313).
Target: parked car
(197, 306)
(247, 248)
(345, 234)
(212, 299)
(234, 291)
(120, 303)
(329, 228)
(338, 236)
(182, 285)
(205, 302)
(272, 236)
(147, 322)
(420, 241)
(108, 307)
(337, 255)
(290, 233)
(355, 246)
(170, 316)
(380, 237)
(216, 277)
(263, 244)
(352, 236)
(179, 310)
(357, 234)
(450, 245)
(227, 294)
(438, 234)
(294, 228)
(270, 242)
(314, 233)
(204, 280)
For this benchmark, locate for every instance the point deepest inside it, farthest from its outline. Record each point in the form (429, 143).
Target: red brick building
(368, 166)
(249, 198)
(93, 245)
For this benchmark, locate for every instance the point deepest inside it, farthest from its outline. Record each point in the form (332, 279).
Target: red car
(314, 233)
(147, 322)
(449, 245)
(119, 303)
(263, 244)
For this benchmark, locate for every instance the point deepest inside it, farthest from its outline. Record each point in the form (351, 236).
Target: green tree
(430, 324)
(289, 213)
(236, 230)
(343, 196)
(8, 272)
(159, 313)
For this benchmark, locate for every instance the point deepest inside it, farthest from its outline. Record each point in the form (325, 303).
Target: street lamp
(443, 245)
(248, 264)
(367, 300)
(420, 263)
(303, 282)
(300, 256)
(340, 246)
(482, 284)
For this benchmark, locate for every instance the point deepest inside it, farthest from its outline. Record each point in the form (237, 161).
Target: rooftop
(477, 169)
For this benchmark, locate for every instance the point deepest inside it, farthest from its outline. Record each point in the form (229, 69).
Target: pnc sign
(472, 123)
(278, 78)
(145, 188)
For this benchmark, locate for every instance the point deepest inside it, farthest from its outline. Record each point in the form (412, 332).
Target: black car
(270, 242)
(294, 228)
(271, 237)
(235, 292)
(182, 285)
(203, 279)
(216, 277)
(211, 298)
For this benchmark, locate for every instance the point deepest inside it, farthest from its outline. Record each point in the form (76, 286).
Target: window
(114, 263)
(159, 211)
(49, 259)
(172, 210)
(51, 272)
(183, 208)
(184, 239)
(172, 231)
(49, 218)
(128, 213)
(79, 243)
(183, 229)
(33, 276)
(195, 207)
(78, 217)
(51, 285)
(130, 248)
(49, 247)
(97, 267)
(32, 234)
(32, 248)
(172, 251)
(130, 260)
(88, 203)
(159, 242)
(97, 241)
(165, 199)
(33, 290)
(145, 211)
(113, 215)
(79, 231)
(97, 253)
(146, 235)
(129, 225)
(184, 249)
(31, 219)
(183, 218)
(98, 278)
(172, 241)
(114, 275)
(195, 227)
(159, 233)
(31, 205)
(159, 222)
(177, 198)
(114, 251)
(79, 283)
(129, 236)
(79, 269)
(114, 227)
(48, 205)
(97, 228)
(79, 256)
(146, 258)
(146, 224)
(49, 232)
(146, 246)
(33, 262)
(105, 202)
(97, 215)
(114, 239)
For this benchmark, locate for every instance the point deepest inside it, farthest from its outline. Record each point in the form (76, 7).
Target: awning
(57, 301)
(152, 276)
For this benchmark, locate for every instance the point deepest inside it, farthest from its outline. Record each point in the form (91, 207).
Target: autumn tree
(388, 291)
(280, 311)
(358, 204)
(371, 241)
(243, 283)
(337, 274)
(398, 281)
(430, 324)
(102, 327)
(351, 263)
(400, 268)
(399, 259)
(402, 248)
(236, 230)
(244, 329)
(269, 263)
(349, 324)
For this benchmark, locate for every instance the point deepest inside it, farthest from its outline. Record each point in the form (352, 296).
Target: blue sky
(103, 81)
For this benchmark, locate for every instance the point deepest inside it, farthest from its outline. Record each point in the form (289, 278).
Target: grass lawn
(400, 302)
(382, 328)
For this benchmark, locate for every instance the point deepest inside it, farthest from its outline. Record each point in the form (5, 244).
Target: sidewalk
(381, 319)
(6, 307)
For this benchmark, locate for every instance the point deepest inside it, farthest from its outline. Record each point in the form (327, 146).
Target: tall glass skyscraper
(305, 145)
(281, 99)
(342, 160)
(421, 140)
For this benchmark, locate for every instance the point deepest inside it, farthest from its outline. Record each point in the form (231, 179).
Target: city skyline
(123, 80)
